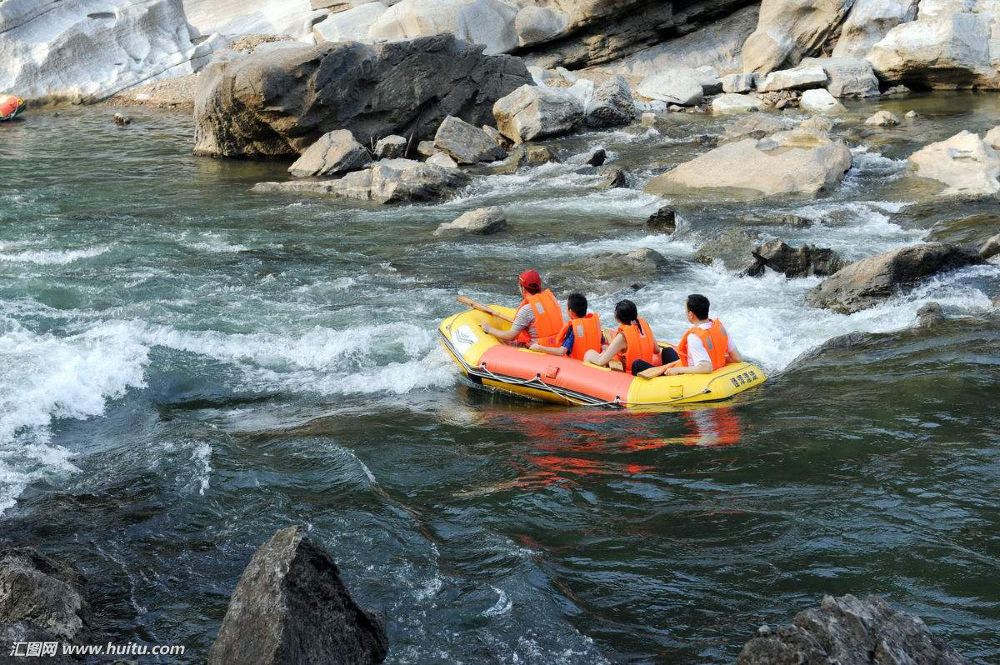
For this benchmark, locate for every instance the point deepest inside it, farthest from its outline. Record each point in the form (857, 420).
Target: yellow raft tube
(487, 361)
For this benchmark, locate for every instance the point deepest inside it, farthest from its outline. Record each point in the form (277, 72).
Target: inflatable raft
(487, 361)
(10, 107)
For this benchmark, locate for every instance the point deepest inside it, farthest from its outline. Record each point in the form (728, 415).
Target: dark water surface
(186, 367)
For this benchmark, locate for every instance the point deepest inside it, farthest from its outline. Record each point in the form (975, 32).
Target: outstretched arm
(551, 350)
(602, 359)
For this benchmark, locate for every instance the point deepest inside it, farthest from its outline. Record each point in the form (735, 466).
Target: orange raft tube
(10, 107)
(487, 361)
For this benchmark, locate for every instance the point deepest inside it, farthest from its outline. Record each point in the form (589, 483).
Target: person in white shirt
(704, 348)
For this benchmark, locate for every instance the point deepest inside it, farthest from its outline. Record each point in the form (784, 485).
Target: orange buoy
(10, 107)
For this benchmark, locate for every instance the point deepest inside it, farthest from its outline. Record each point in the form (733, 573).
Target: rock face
(849, 631)
(353, 24)
(531, 112)
(486, 22)
(386, 181)
(276, 103)
(40, 596)
(795, 162)
(611, 105)
(539, 24)
(847, 77)
(241, 17)
(868, 22)
(67, 49)
(789, 30)
(465, 143)
(820, 101)
(965, 163)
(481, 221)
(800, 78)
(804, 261)
(680, 86)
(290, 606)
(868, 282)
(334, 153)
(951, 45)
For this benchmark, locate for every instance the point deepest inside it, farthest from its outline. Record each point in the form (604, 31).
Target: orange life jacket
(641, 345)
(548, 318)
(586, 335)
(716, 342)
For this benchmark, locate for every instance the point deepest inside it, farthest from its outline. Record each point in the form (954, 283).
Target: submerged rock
(121, 119)
(804, 261)
(481, 221)
(592, 157)
(333, 154)
(965, 163)
(663, 220)
(849, 631)
(40, 597)
(734, 103)
(929, 315)
(990, 248)
(531, 112)
(621, 269)
(290, 606)
(278, 102)
(882, 119)
(802, 161)
(523, 156)
(386, 181)
(465, 143)
(613, 179)
(734, 248)
(868, 282)
(755, 125)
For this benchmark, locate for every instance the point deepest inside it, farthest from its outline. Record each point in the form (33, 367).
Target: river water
(186, 367)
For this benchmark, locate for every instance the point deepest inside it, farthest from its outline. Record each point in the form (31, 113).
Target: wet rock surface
(804, 261)
(333, 154)
(850, 631)
(40, 598)
(531, 112)
(619, 269)
(481, 221)
(465, 143)
(734, 248)
(291, 606)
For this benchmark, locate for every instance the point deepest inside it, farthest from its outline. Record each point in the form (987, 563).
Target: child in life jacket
(704, 348)
(632, 346)
(581, 333)
(538, 319)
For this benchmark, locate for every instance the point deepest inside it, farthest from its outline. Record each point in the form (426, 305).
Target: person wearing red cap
(539, 317)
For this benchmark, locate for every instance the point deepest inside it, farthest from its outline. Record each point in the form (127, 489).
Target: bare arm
(602, 359)
(700, 368)
(502, 335)
(551, 350)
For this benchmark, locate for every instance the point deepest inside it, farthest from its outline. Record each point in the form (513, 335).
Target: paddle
(469, 302)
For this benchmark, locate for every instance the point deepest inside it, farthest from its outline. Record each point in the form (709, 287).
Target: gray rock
(663, 220)
(648, 119)
(481, 221)
(911, 114)
(739, 83)
(866, 283)
(990, 248)
(531, 113)
(497, 137)
(386, 181)
(593, 157)
(121, 119)
(882, 119)
(679, 85)
(929, 315)
(333, 154)
(442, 159)
(753, 126)
(734, 248)
(849, 631)
(620, 269)
(40, 596)
(800, 78)
(290, 606)
(803, 261)
(847, 77)
(391, 147)
(523, 156)
(611, 105)
(427, 149)
(613, 179)
(278, 102)
(465, 143)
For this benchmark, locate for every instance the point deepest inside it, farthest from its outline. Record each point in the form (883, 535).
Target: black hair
(577, 303)
(698, 305)
(533, 289)
(626, 312)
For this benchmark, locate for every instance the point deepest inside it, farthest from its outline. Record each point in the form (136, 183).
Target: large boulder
(481, 221)
(868, 22)
(679, 85)
(81, 51)
(385, 181)
(804, 261)
(353, 24)
(465, 143)
(849, 631)
(868, 282)
(277, 103)
(534, 24)
(968, 165)
(951, 45)
(790, 29)
(486, 22)
(251, 17)
(40, 596)
(611, 104)
(335, 153)
(532, 112)
(799, 162)
(291, 606)
(847, 77)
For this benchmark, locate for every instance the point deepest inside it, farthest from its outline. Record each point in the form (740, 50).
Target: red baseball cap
(530, 278)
